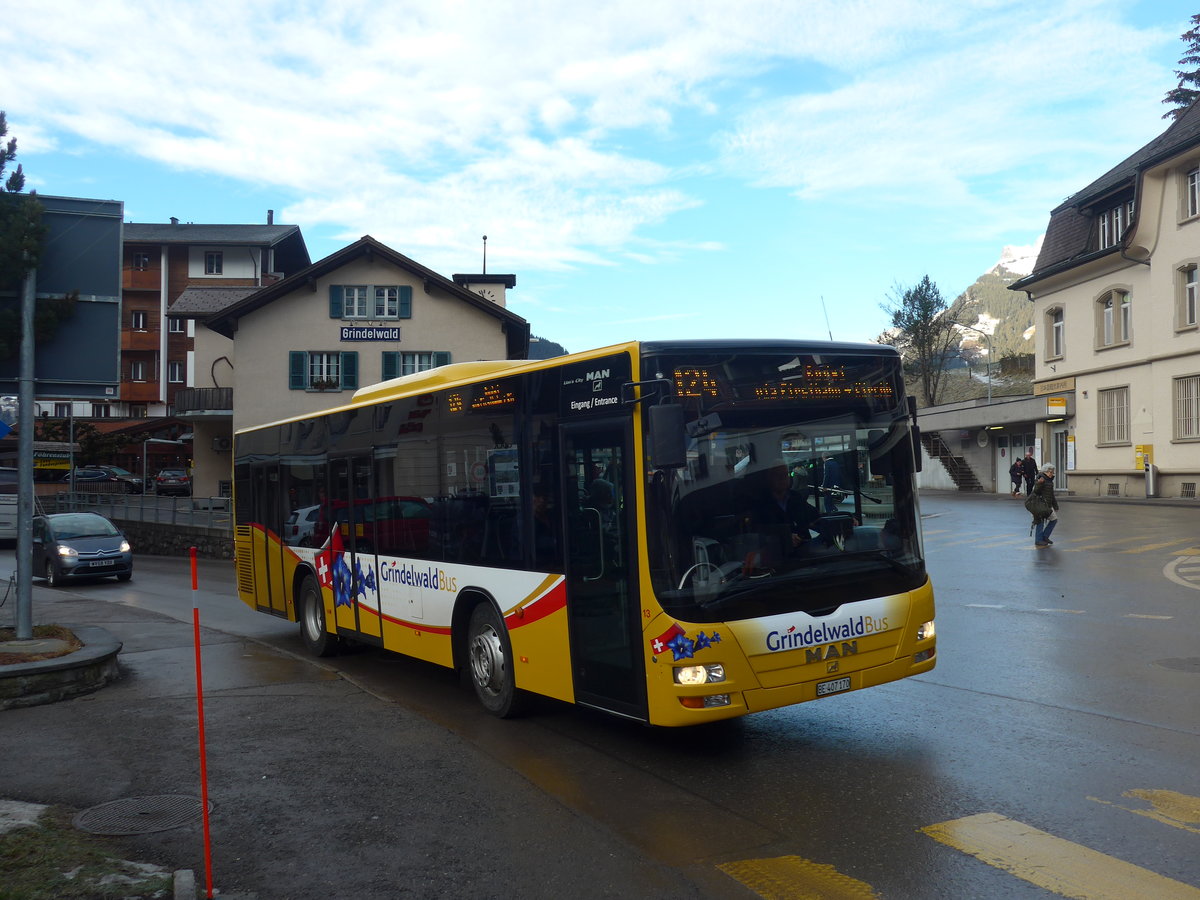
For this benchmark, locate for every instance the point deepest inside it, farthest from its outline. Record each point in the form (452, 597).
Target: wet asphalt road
(1065, 700)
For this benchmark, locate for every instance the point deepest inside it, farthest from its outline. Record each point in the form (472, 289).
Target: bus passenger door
(602, 607)
(356, 577)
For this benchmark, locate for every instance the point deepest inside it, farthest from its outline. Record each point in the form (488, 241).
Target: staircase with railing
(956, 466)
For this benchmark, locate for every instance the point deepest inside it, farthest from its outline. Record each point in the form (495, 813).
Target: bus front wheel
(490, 655)
(317, 639)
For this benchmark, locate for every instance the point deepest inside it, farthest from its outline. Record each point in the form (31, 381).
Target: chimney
(174, 221)
(270, 217)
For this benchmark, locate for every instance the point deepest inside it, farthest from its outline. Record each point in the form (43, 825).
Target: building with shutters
(361, 315)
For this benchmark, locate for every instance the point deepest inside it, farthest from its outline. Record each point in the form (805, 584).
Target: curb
(49, 680)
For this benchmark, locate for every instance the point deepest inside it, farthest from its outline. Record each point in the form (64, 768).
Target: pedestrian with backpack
(1016, 473)
(1043, 506)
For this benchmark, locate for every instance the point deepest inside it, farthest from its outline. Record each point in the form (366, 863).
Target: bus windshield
(797, 492)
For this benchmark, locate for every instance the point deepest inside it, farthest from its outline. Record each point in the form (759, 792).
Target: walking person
(831, 481)
(1029, 468)
(1016, 473)
(1043, 488)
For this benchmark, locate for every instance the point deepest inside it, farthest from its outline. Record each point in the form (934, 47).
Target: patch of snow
(1020, 260)
(14, 814)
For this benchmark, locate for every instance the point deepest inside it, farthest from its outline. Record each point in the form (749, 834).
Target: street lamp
(987, 337)
(152, 441)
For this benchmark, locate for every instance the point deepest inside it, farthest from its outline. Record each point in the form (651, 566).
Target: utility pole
(25, 420)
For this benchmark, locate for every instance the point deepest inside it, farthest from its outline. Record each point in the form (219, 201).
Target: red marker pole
(200, 719)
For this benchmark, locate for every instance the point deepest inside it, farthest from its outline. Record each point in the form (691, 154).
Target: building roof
(1068, 236)
(516, 329)
(202, 302)
(187, 233)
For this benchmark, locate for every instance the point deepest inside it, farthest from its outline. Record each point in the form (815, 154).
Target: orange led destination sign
(812, 383)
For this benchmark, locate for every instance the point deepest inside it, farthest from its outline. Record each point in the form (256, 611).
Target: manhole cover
(140, 815)
(1188, 664)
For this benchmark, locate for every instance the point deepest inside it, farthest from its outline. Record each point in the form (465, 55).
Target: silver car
(69, 546)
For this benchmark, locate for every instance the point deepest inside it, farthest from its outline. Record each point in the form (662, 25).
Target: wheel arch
(468, 598)
(303, 570)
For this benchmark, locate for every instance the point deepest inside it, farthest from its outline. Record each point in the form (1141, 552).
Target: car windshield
(171, 473)
(117, 470)
(81, 525)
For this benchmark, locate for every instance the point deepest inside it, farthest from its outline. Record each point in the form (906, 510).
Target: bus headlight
(692, 675)
(926, 631)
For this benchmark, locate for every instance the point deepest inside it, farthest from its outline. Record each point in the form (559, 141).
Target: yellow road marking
(1143, 616)
(1169, 807)
(796, 878)
(1190, 551)
(1053, 863)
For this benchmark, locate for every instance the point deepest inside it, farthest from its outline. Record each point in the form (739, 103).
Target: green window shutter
(350, 369)
(441, 358)
(405, 301)
(335, 301)
(391, 364)
(297, 364)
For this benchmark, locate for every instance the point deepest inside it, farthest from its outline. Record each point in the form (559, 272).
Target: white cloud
(429, 123)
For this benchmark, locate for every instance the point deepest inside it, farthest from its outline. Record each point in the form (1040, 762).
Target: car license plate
(102, 562)
(833, 687)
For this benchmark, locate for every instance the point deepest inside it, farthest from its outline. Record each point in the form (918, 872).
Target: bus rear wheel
(317, 639)
(489, 654)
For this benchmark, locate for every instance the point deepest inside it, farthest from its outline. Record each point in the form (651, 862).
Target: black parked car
(69, 546)
(120, 479)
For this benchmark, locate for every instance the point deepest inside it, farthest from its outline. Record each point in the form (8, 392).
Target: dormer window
(214, 262)
(1113, 223)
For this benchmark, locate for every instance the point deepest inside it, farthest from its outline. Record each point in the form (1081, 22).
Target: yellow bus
(672, 532)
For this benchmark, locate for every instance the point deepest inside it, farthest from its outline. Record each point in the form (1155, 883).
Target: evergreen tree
(924, 334)
(1187, 91)
(21, 235)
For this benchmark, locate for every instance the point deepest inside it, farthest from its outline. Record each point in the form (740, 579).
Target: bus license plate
(833, 687)
(102, 562)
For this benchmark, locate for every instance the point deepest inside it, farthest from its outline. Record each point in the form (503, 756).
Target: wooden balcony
(141, 279)
(139, 391)
(204, 402)
(138, 340)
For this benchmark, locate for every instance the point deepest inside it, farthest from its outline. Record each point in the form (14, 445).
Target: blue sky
(647, 169)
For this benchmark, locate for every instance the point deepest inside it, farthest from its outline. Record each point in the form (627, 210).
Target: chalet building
(1115, 292)
(362, 315)
(160, 262)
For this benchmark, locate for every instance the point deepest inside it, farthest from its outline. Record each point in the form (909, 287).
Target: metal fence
(203, 512)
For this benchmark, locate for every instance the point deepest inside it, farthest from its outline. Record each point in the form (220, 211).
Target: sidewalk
(1070, 497)
(318, 788)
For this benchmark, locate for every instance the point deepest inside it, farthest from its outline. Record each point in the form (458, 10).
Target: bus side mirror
(668, 449)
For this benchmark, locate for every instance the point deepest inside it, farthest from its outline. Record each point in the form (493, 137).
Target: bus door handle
(599, 542)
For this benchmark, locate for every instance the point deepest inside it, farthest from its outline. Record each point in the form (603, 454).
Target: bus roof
(455, 374)
(446, 376)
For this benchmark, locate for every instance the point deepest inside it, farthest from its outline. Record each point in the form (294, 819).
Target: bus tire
(489, 660)
(317, 639)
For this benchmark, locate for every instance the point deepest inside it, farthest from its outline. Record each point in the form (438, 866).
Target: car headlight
(67, 551)
(926, 631)
(124, 546)
(691, 675)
